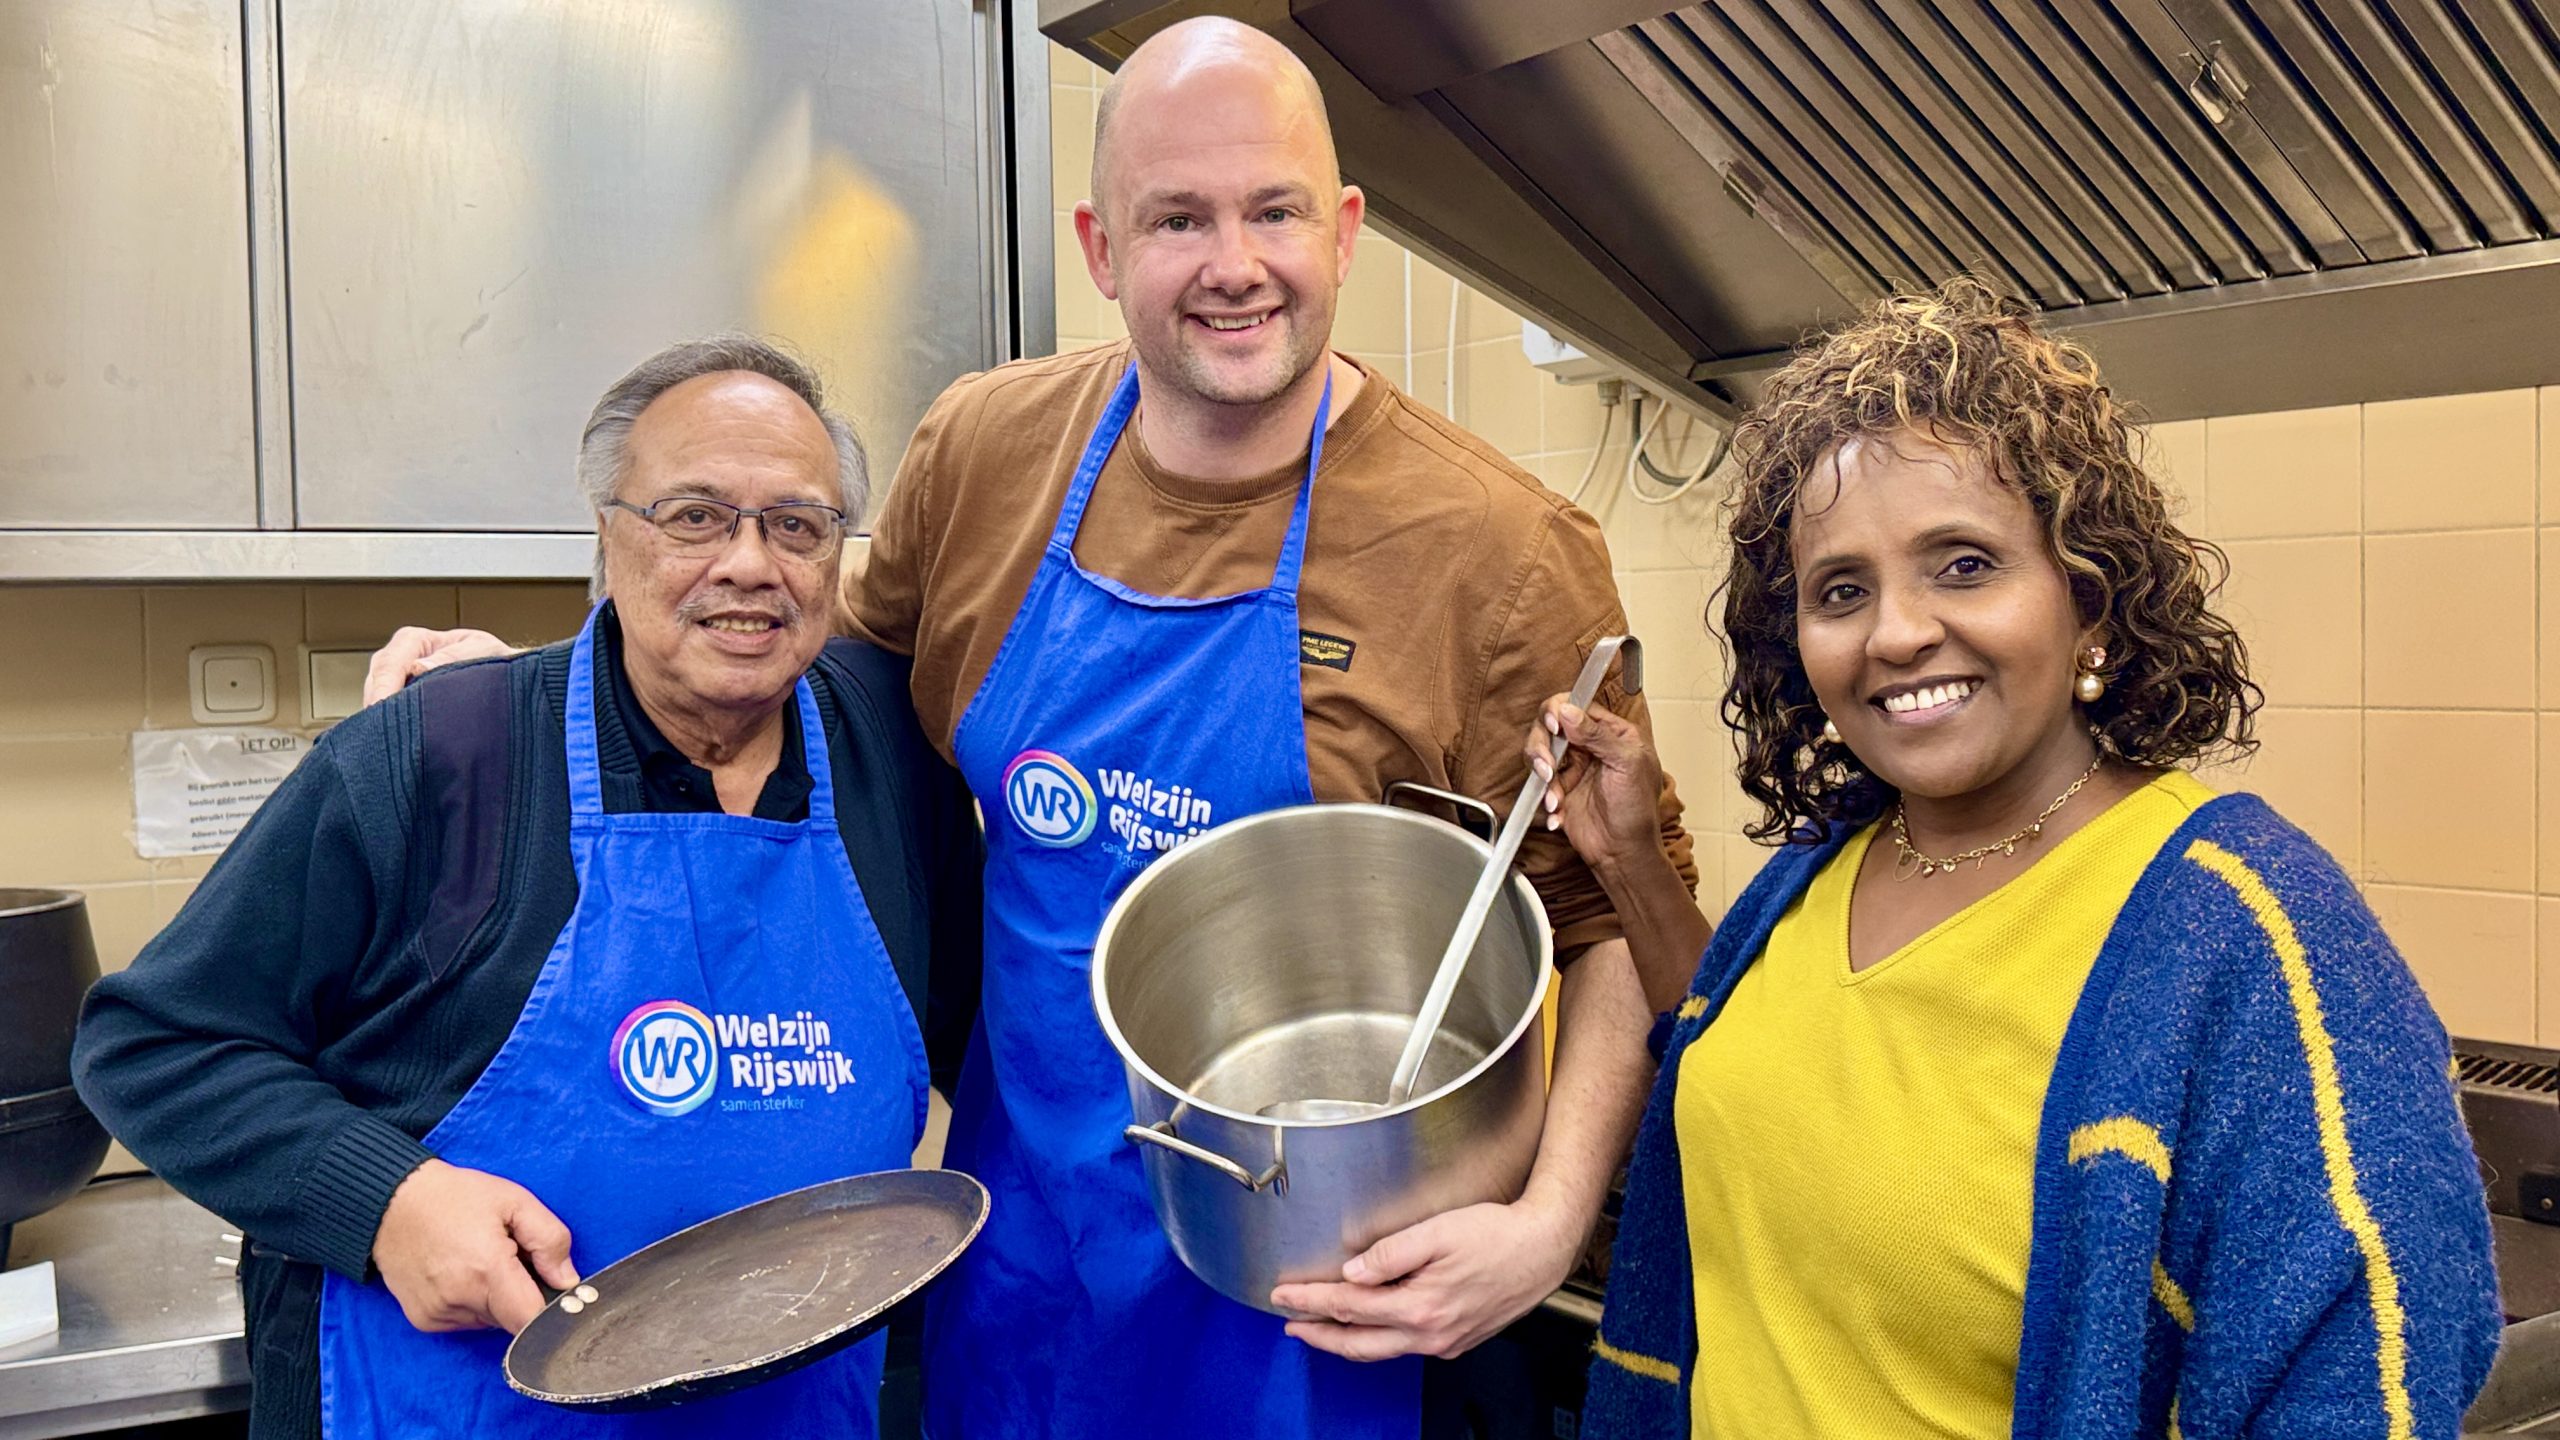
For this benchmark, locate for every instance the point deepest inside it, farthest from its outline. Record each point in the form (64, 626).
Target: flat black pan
(746, 1296)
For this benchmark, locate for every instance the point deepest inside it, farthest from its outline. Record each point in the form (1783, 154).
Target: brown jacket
(1446, 592)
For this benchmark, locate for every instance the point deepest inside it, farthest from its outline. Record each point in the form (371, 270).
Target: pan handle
(1467, 806)
(1161, 1134)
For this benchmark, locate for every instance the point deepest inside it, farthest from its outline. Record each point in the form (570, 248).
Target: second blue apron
(1113, 726)
(717, 1023)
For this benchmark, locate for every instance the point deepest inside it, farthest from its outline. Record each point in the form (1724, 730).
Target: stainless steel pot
(1281, 958)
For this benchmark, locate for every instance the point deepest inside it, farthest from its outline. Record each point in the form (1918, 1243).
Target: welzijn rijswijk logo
(666, 1057)
(670, 1057)
(1049, 799)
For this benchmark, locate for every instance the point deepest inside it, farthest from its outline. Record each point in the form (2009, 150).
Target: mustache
(696, 609)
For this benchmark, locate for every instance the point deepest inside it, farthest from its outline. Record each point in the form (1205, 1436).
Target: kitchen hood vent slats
(2133, 204)
(2171, 111)
(2089, 90)
(2119, 265)
(1923, 228)
(2271, 120)
(2400, 78)
(2512, 141)
(1636, 57)
(2050, 255)
(2526, 58)
(2084, 152)
(1862, 254)
(2331, 77)
(1901, 250)
(2237, 205)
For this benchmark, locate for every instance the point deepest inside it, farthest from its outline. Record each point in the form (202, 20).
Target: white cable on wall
(1608, 421)
(1644, 438)
(1457, 294)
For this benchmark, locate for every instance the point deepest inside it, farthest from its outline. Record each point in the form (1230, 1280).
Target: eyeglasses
(799, 530)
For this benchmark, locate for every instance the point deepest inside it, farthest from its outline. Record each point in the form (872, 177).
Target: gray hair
(604, 449)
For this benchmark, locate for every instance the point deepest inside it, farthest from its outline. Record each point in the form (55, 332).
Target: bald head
(1202, 63)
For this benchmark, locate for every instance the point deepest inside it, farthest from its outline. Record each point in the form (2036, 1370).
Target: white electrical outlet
(231, 684)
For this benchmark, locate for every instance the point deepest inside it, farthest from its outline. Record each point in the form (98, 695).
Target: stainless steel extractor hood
(2240, 205)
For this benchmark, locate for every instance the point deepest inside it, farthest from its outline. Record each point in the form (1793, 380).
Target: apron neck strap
(1106, 436)
(815, 753)
(586, 791)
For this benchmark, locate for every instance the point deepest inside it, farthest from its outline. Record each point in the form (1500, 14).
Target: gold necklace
(1932, 865)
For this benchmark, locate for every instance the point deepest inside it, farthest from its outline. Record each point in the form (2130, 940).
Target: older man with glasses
(474, 992)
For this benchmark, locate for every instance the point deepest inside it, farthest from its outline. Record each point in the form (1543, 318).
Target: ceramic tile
(1392, 366)
(168, 897)
(2547, 453)
(1070, 147)
(1498, 390)
(2286, 473)
(2449, 620)
(342, 615)
(2310, 766)
(2546, 779)
(2473, 953)
(2546, 579)
(2298, 604)
(2546, 971)
(70, 660)
(1431, 381)
(1488, 319)
(2175, 454)
(179, 618)
(70, 809)
(1666, 609)
(1572, 417)
(2449, 462)
(1080, 306)
(121, 919)
(2449, 799)
(1368, 315)
(525, 615)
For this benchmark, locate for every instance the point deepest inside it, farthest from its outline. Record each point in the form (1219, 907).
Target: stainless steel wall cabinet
(309, 289)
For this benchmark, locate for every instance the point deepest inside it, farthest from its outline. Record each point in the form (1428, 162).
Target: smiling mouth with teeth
(1929, 697)
(1232, 322)
(743, 624)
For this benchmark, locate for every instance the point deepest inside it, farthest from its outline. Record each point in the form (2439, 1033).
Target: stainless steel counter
(150, 1316)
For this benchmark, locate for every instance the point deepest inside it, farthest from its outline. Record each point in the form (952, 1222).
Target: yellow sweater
(1858, 1150)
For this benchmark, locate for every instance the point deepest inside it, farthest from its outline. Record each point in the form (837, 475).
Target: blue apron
(1113, 726)
(717, 1023)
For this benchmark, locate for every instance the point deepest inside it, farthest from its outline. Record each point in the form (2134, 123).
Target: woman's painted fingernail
(1554, 726)
(1555, 822)
(1545, 770)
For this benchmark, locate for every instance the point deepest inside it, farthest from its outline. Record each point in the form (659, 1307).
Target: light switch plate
(231, 684)
(333, 682)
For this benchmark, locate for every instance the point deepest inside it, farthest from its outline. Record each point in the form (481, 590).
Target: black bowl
(49, 1142)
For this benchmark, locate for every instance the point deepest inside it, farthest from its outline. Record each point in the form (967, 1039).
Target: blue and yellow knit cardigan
(2256, 1209)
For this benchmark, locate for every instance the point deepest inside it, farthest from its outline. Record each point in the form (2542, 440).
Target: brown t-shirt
(1446, 593)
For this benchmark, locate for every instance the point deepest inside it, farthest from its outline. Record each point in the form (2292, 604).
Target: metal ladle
(1479, 906)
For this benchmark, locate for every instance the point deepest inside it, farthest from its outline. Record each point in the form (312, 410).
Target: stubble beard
(1194, 373)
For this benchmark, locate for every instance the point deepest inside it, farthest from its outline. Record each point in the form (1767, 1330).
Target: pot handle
(1467, 806)
(1161, 1134)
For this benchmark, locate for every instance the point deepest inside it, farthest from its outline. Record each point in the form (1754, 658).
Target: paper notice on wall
(194, 789)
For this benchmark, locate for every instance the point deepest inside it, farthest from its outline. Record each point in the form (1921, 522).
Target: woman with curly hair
(2032, 1088)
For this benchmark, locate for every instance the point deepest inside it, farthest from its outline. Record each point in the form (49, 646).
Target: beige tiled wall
(81, 668)
(2395, 571)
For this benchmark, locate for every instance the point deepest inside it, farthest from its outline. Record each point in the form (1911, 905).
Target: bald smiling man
(1221, 555)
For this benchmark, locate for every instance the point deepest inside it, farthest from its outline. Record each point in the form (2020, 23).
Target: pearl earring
(1830, 732)
(2089, 687)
